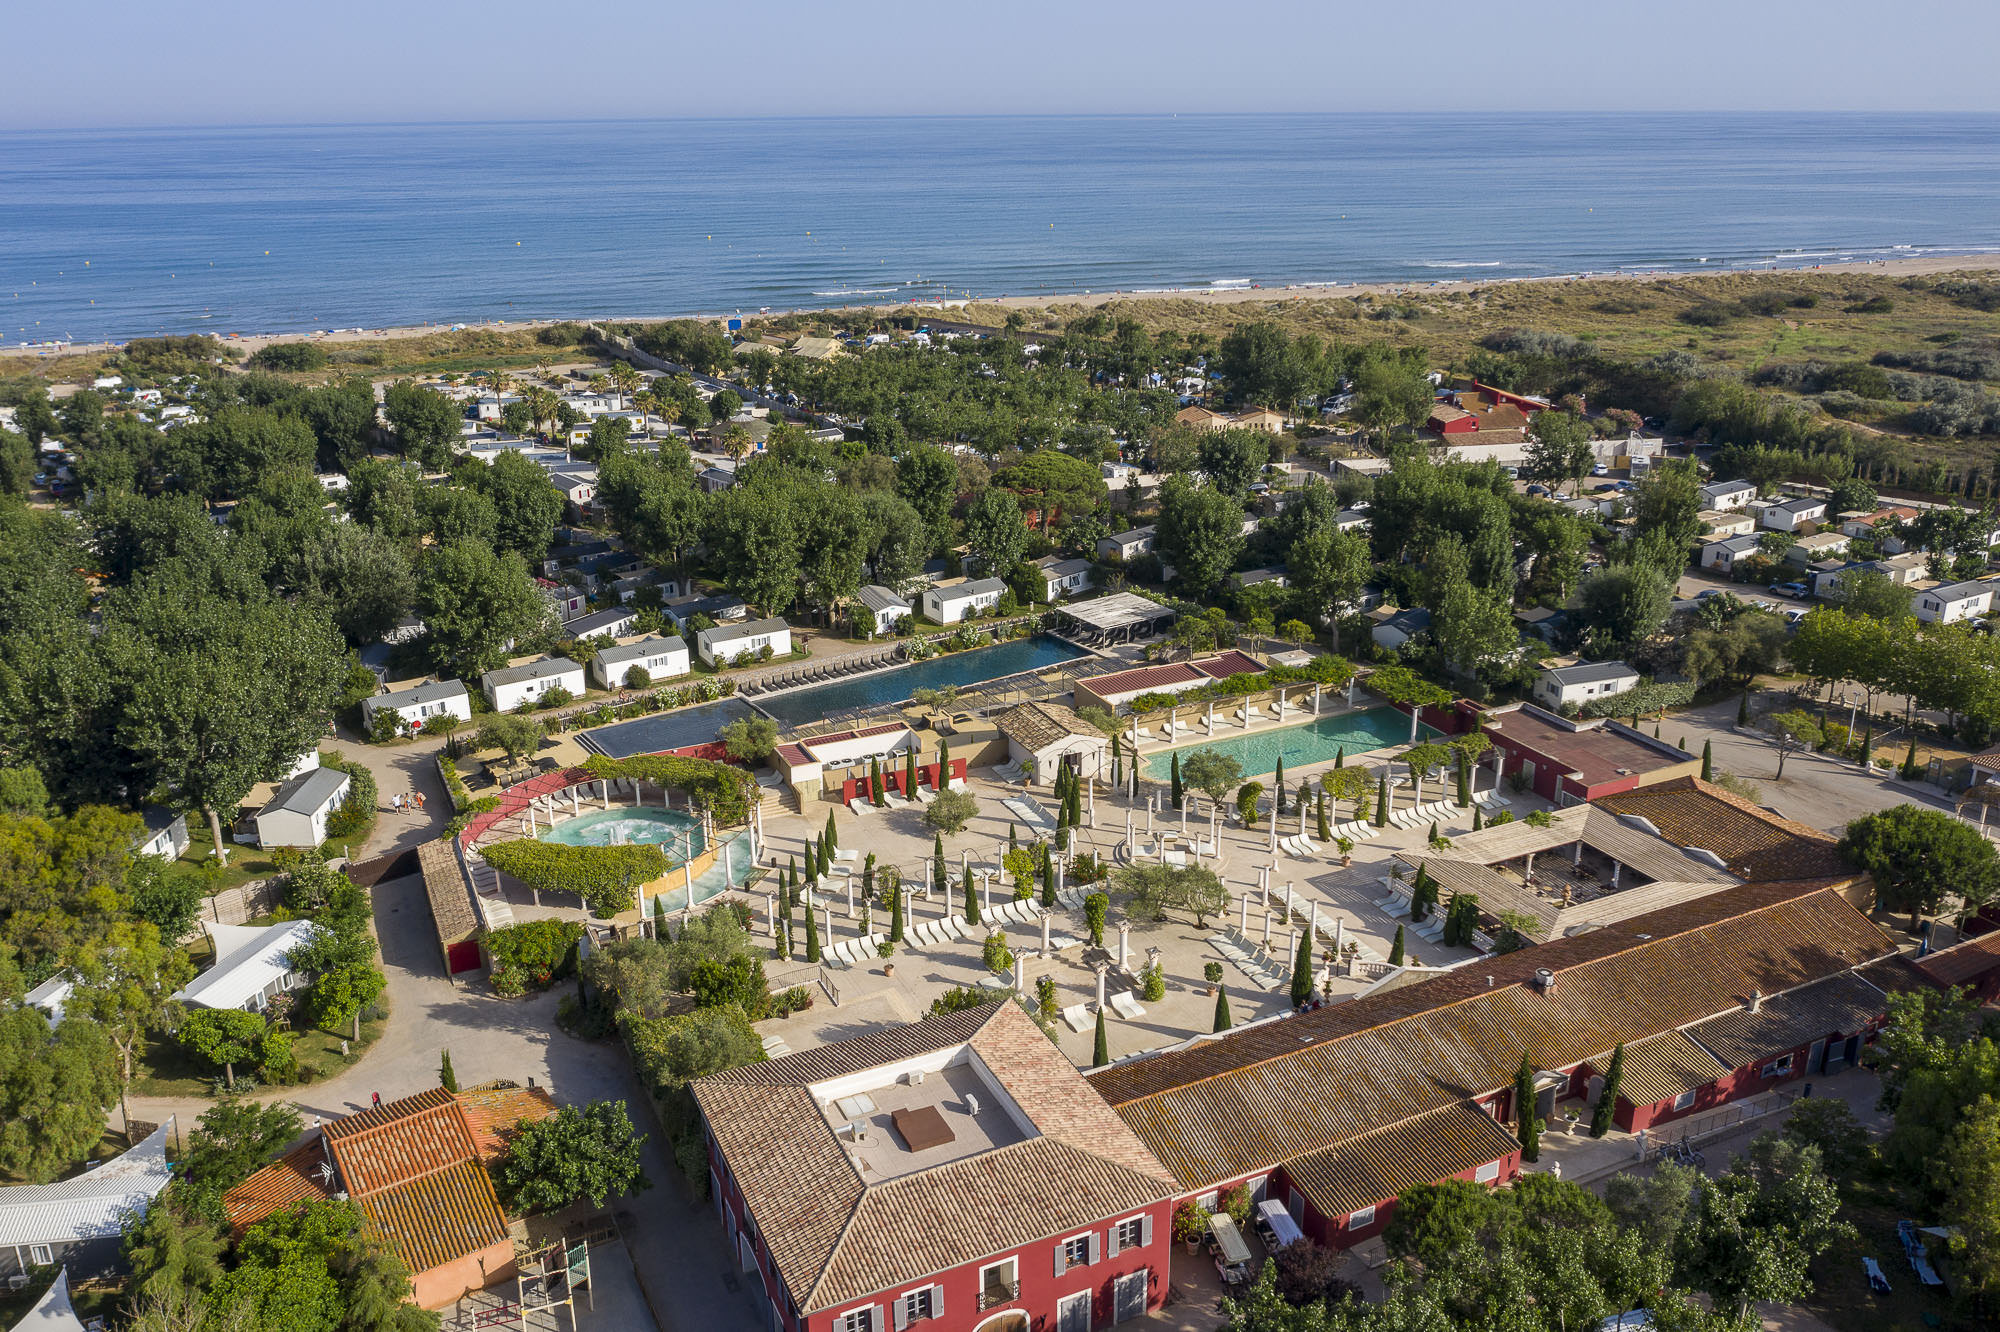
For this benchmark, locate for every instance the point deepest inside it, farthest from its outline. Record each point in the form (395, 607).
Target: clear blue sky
(141, 62)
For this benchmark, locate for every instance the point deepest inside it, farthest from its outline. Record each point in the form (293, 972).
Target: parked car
(1600, 470)
(1538, 490)
(1790, 589)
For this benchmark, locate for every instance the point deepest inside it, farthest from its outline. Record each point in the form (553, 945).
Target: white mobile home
(962, 601)
(727, 643)
(419, 705)
(298, 811)
(1953, 602)
(659, 658)
(253, 965)
(878, 609)
(1584, 683)
(512, 686)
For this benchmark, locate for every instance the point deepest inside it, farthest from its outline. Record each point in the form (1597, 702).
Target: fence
(244, 903)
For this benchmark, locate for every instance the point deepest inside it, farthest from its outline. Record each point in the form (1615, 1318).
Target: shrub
(1094, 908)
(958, 999)
(290, 356)
(603, 876)
(638, 678)
(1152, 984)
(995, 953)
(950, 811)
(532, 955)
(718, 787)
(354, 816)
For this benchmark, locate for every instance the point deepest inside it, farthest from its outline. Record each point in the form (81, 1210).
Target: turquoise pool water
(623, 824)
(1318, 741)
(895, 685)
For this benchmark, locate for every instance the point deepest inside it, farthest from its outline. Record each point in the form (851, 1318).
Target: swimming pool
(1318, 741)
(898, 683)
(665, 730)
(628, 824)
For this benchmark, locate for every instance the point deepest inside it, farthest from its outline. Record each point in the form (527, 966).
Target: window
(40, 1255)
(1076, 1251)
(1779, 1067)
(1364, 1217)
(1685, 1101)
(854, 1320)
(918, 1305)
(1487, 1173)
(1208, 1201)
(1129, 1234)
(998, 1284)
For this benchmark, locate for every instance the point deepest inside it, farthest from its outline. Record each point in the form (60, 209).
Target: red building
(955, 1173)
(1568, 762)
(1338, 1111)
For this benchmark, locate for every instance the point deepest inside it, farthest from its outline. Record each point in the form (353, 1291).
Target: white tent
(52, 1312)
(249, 959)
(92, 1206)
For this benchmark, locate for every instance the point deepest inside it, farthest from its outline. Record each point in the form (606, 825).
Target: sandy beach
(1929, 265)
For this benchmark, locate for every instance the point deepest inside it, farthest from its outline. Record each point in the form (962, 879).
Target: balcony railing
(994, 1292)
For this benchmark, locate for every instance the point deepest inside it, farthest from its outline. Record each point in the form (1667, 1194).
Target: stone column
(1124, 946)
(1316, 698)
(1243, 915)
(1185, 803)
(1149, 816)
(827, 911)
(1339, 935)
(1090, 798)
(1615, 868)
(1302, 817)
(1350, 691)
(964, 862)
(1267, 926)
(1021, 972)
(850, 897)
(1529, 872)
(604, 793)
(687, 880)
(806, 899)
(1101, 969)
(1131, 843)
(1211, 717)
(985, 894)
(947, 901)
(1057, 868)
(1274, 828)
(771, 912)
(1045, 932)
(1312, 919)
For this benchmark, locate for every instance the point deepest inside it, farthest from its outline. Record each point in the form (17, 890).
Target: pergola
(1117, 618)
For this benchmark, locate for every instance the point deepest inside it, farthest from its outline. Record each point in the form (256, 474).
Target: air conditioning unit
(971, 1104)
(917, 1078)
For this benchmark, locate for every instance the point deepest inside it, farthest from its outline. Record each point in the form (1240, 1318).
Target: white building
(1727, 495)
(1586, 682)
(508, 688)
(659, 658)
(1044, 737)
(878, 609)
(298, 810)
(420, 704)
(731, 642)
(252, 965)
(1951, 602)
(1789, 515)
(1127, 545)
(166, 834)
(614, 623)
(78, 1222)
(1062, 578)
(960, 601)
(1726, 553)
(1727, 522)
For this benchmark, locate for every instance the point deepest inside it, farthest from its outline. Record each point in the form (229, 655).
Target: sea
(108, 234)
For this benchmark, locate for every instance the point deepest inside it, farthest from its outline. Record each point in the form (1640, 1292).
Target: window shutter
(1146, 1231)
(875, 1318)
(1114, 1248)
(1062, 1258)
(900, 1310)
(1096, 1248)
(937, 1300)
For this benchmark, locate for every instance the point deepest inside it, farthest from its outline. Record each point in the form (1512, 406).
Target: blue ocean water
(120, 233)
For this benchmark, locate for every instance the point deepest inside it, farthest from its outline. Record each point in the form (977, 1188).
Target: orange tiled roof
(401, 1141)
(1963, 963)
(291, 1179)
(494, 1111)
(438, 1218)
(1755, 843)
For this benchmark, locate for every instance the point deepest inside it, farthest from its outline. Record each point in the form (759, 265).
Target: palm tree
(597, 383)
(646, 403)
(668, 410)
(623, 378)
(736, 442)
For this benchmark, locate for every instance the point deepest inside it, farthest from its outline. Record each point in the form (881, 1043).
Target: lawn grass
(1874, 1199)
(165, 1069)
(246, 863)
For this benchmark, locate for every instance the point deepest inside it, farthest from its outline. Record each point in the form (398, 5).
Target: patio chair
(1127, 1006)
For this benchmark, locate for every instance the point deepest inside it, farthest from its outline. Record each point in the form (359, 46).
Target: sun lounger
(1878, 1281)
(846, 856)
(1126, 1006)
(1079, 1018)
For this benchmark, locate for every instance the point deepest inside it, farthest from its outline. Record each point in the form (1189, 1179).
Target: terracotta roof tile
(1755, 843)
(1963, 963)
(1036, 726)
(439, 1218)
(428, 1132)
(494, 1112)
(1843, 1003)
(292, 1178)
(1373, 1167)
(1662, 1067)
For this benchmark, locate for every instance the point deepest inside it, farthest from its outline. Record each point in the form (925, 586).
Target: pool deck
(1228, 727)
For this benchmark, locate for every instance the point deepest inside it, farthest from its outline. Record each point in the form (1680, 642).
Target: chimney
(1545, 980)
(1756, 1001)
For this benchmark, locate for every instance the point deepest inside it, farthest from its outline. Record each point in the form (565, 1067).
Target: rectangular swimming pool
(900, 682)
(665, 730)
(1318, 741)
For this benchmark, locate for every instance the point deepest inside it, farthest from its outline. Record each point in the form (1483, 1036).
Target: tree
(589, 1151)
(1391, 392)
(1792, 732)
(1752, 1234)
(1972, 1162)
(1526, 1126)
(317, 1268)
(1623, 603)
(1247, 796)
(950, 811)
(339, 996)
(1222, 1019)
(526, 507)
(1607, 1098)
(125, 982)
(994, 530)
(749, 739)
(1302, 972)
(474, 601)
(1212, 773)
(359, 576)
(54, 1090)
(1200, 532)
(1435, 1224)
(1396, 949)
(1100, 1044)
(1154, 890)
(927, 478)
(224, 1037)
(426, 423)
(233, 1139)
(1559, 449)
(1179, 794)
(1051, 483)
(1233, 459)
(515, 736)
(1922, 858)
(1828, 1125)
(1708, 760)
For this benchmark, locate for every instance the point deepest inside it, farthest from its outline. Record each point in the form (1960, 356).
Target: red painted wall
(1337, 1234)
(927, 775)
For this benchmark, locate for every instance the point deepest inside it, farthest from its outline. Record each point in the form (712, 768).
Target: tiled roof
(401, 1141)
(496, 1109)
(292, 1178)
(1366, 1170)
(1755, 843)
(1282, 1090)
(448, 891)
(1662, 1067)
(1965, 963)
(835, 1238)
(1141, 679)
(1036, 726)
(440, 1217)
(1842, 1003)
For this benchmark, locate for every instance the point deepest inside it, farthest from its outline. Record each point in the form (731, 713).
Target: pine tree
(1222, 1022)
(1100, 1046)
(1382, 801)
(1396, 949)
(1708, 760)
(1180, 793)
(1302, 972)
(447, 1079)
(812, 936)
(1607, 1099)
(1464, 793)
(971, 899)
(1527, 1127)
(938, 880)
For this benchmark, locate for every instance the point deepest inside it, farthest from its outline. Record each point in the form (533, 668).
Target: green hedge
(1643, 698)
(605, 877)
(357, 814)
(1323, 670)
(719, 786)
(532, 955)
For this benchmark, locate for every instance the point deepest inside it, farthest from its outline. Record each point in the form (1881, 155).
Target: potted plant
(1190, 1224)
(1346, 845)
(1212, 972)
(885, 950)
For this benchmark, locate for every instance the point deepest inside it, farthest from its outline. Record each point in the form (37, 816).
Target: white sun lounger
(1126, 1006)
(1079, 1018)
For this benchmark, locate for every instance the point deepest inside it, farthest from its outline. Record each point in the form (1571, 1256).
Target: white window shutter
(900, 1310)
(1096, 1248)
(937, 1300)
(1146, 1231)
(1113, 1249)
(875, 1318)
(1062, 1258)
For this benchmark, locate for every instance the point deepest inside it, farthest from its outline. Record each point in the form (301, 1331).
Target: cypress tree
(447, 1079)
(1656, 730)
(1682, 744)
(1434, 830)
(1382, 801)
(1302, 972)
(896, 913)
(944, 765)
(1477, 821)
(1743, 709)
(1302, 803)
(1910, 768)
(1100, 1046)
(1422, 893)
(1278, 789)
(938, 879)
(1046, 872)
(1222, 1021)
(868, 878)
(831, 843)
(812, 937)
(1340, 757)
(1325, 832)
(1013, 842)
(1180, 792)
(1607, 1099)
(790, 885)
(910, 773)
(1527, 1127)
(875, 784)
(1464, 794)
(1868, 744)
(1396, 949)
(971, 899)
(1708, 760)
